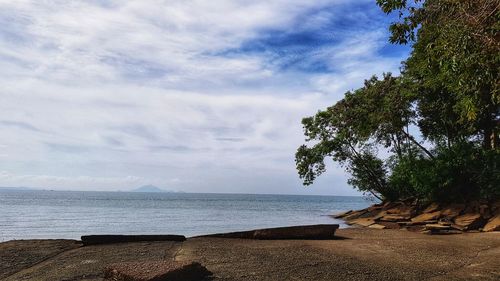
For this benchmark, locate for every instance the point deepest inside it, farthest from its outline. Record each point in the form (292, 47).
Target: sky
(193, 96)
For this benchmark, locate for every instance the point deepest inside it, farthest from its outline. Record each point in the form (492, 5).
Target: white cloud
(118, 93)
(79, 182)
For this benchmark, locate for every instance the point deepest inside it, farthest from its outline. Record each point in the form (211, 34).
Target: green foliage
(457, 173)
(454, 65)
(448, 92)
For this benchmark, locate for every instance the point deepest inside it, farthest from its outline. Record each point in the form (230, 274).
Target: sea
(44, 214)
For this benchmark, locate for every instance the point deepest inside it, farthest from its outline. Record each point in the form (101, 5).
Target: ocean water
(70, 214)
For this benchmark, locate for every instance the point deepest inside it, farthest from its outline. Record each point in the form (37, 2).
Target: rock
(469, 221)
(374, 207)
(374, 214)
(413, 223)
(379, 215)
(437, 227)
(354, 215)
(445, 223)
(319, 231)
(156, 270)
(377, 226)
(493, 224)
(394, 210)
(451, 217)
(363, 221)
(341, 215)
(452, 211)
(431, 208)
(415, 228)
(427, 216)
(388, 205)
(390, 225)
(457, 227)
(402, 210)
(109, 239)
(394, 218)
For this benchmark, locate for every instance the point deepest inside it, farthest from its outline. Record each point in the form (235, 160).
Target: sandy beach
(355, 254)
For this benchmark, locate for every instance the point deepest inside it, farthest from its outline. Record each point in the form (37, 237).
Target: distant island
(150, 188)
(145, 188)
(9, 188)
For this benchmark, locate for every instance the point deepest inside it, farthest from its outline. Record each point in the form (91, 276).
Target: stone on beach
(435, 219)
(377, 226)
(394, 218)
(453, 210)
(431, 208)
(469, 221)
(321, 231)
(493, 224)
(156, 271)
(363, 221)
(313, 232)
(415, 228)
(402, 210)
(412, 223)
(341, 215)
(427, 216)
(355, 215)
(437, 227)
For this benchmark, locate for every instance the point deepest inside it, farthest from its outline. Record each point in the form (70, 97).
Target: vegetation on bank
(439, 120)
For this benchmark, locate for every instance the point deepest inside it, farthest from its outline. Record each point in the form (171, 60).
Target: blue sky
(198, 96)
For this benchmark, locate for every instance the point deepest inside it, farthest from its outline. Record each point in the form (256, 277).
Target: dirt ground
(356, 254)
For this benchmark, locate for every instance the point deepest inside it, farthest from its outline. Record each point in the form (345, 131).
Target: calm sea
(70, 214)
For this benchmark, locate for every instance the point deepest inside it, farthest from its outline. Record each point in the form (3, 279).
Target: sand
(356, 254)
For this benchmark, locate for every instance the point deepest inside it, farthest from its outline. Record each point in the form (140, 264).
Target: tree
(455, 65)
(350, 132)
(448, 92)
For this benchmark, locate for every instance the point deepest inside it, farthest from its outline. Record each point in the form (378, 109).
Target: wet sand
(356, 254)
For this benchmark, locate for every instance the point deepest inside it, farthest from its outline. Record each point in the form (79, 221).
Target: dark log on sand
(109, 239)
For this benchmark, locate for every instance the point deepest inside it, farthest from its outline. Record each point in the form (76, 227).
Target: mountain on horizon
(149, 188)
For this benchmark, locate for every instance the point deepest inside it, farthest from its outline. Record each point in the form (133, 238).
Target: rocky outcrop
(469, 221)
(156, 270)
(493, 224)
(313, 232)
(431, 219)
(425, 217)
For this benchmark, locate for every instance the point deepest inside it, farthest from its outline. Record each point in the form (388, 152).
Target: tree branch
(356, 154)
(412, 139)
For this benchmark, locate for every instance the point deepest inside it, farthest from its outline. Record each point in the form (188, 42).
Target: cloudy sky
(198, 96)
